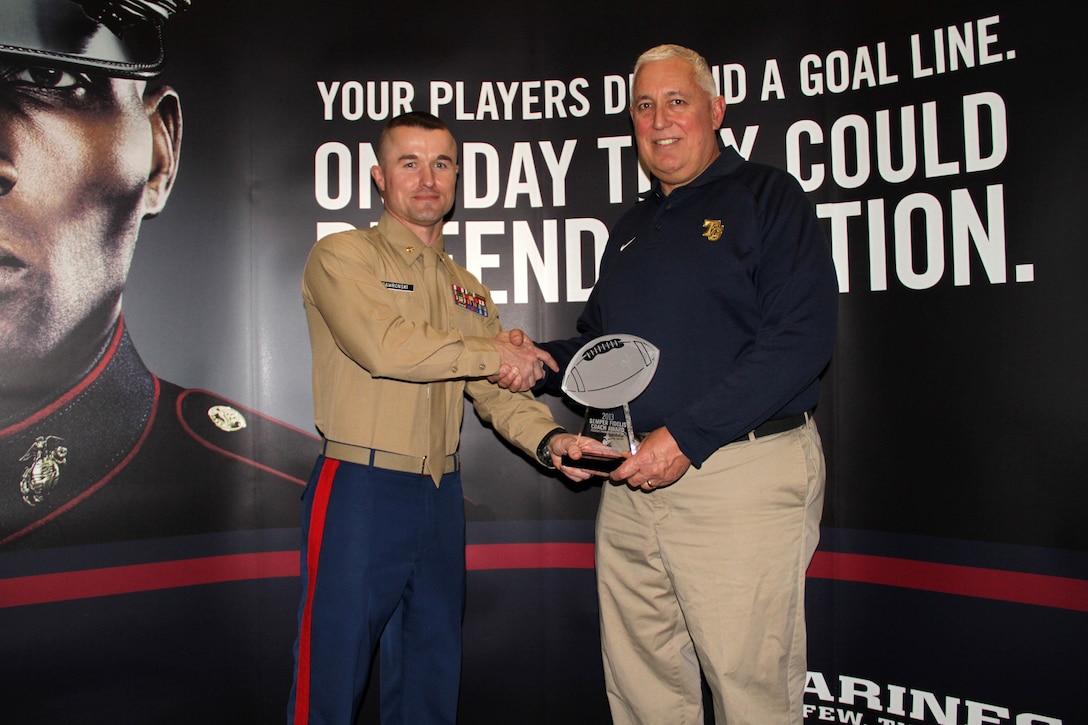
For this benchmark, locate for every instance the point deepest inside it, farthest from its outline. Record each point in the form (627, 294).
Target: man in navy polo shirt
(704, 536)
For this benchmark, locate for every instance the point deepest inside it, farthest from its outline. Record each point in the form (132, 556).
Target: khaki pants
(709, 574)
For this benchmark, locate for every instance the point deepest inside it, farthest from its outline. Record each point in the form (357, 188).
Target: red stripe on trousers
(318, 509)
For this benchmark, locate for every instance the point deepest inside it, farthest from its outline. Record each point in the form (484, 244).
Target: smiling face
(675, 122)
(417, 177)
(82, 161)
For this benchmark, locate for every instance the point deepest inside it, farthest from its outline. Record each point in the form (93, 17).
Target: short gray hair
(698, 64)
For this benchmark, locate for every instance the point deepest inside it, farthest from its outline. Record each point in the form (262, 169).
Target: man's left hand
(566, 444)
(658, 463)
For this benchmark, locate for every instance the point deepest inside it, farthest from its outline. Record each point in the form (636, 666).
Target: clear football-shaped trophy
(605, 375)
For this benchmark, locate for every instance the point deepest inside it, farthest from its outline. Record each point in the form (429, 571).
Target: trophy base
(594, 462)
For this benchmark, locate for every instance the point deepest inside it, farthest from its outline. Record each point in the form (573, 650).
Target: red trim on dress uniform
(223, 451)
(76, 500)
(74, 392)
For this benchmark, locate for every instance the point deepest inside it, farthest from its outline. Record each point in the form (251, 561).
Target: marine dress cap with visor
(121, 38)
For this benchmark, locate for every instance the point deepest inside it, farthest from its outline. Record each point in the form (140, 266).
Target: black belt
(778, 425)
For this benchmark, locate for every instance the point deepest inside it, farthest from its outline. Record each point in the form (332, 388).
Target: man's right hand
(521, 363)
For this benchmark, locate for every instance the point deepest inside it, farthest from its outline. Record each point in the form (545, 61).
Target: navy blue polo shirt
(731, 277)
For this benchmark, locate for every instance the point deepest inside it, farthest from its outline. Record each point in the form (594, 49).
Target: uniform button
(454, 368)
(483, 366)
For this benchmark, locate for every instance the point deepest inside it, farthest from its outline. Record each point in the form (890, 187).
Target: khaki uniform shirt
(379, 347)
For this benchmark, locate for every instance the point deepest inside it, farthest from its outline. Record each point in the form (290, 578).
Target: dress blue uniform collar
(55, 457)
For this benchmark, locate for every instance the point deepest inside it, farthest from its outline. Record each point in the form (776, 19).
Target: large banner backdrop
(941, 144)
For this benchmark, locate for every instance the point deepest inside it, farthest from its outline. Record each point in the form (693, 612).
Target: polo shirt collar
(727, 162)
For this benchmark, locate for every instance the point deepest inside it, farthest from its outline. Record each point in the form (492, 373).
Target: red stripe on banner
(318, 509)
(1007, 586)
(1036, 589)
(479, 557)
(45, 588)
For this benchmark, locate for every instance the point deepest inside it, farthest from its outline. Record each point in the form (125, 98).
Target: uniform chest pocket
(468, 301)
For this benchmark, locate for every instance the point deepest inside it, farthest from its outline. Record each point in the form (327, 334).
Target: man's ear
(163, 109)
(717, 111)
(379, 178)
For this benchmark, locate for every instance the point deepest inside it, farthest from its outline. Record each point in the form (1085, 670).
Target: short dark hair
(412, 119)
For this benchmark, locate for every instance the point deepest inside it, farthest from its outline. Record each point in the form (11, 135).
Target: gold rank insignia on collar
(713, 228)
(42, 472)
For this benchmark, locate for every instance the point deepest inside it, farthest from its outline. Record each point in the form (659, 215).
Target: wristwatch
(542, 453)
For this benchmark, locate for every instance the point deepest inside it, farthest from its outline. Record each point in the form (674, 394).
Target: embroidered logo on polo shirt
(469, 300)
(399, 286)
(713, 228)
(43, 469)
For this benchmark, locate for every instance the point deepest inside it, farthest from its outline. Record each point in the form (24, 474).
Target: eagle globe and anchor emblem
(42, 473)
